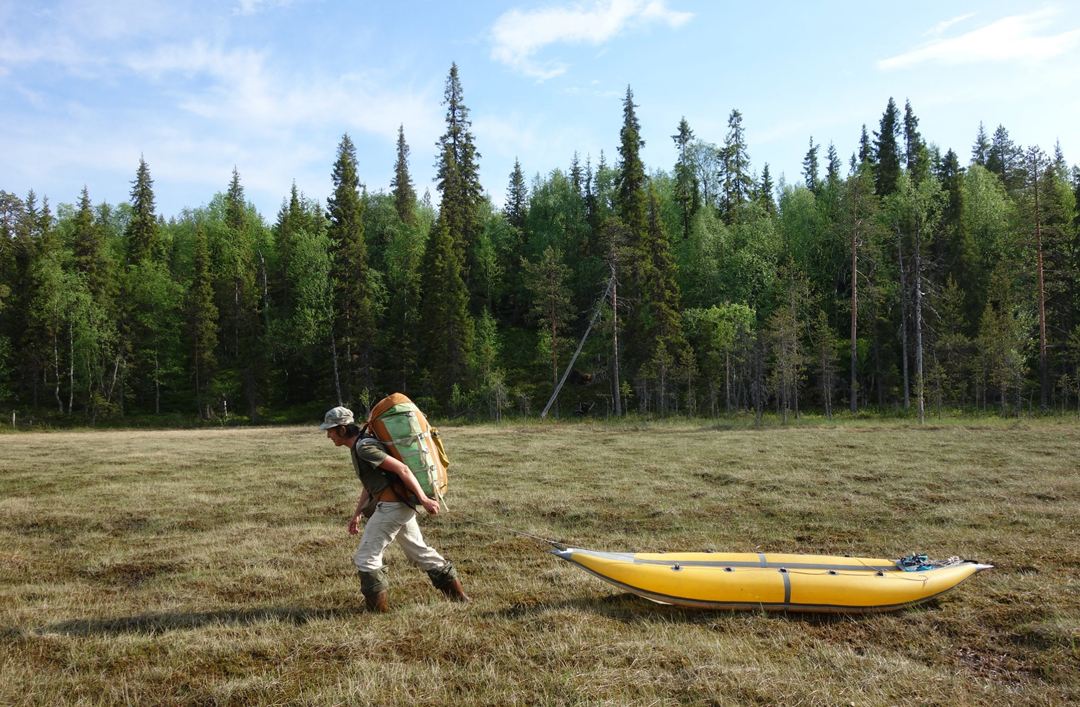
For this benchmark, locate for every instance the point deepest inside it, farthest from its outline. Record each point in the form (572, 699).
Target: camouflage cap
(337, 416)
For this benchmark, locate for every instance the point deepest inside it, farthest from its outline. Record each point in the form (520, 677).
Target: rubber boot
(376, 602)
(454, 591)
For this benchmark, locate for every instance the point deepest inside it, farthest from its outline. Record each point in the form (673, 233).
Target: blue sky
(269, 86)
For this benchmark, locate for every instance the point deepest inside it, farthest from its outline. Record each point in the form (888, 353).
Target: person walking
(390, 498)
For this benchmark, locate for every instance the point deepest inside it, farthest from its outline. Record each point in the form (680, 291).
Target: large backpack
(398, 423)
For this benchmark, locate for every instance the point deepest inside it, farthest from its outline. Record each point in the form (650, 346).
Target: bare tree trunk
(334, 355)
(919, 374)
(827, 384)
(691, 398)
(1044, 365)
(854, 303)
(795, 388)
(112, 385)
(198, 383)
(71, 369)
(236, 312)
(759, 379)
(875, 345)
(554, 352)
(56, 371)
(727, 378)
(903, 320)
(615, 340)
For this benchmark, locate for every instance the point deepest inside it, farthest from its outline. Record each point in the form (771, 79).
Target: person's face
(335, 434)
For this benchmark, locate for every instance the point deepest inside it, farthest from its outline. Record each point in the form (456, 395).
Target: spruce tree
(955, 251)
(354, 325)
(246, 264)
(980, 151)
(547, 282)
(630, 180)
(810, 168)
(886, 151)
(143, 237)
(866, 148)
(1061, 167)
(1005, 159)
(765, 191)
(1076, 197)
(20, 226)
(49, 304)
(591, 210)
(458, 178)
(832, 169)
(148, 303)
(660, 324)
(577, 175)
(447, 327)
(517, 198)
(28, 339)
(91, 328)
(858, 224)
(238, 281)
(202, 316)
(737, 182)
(686, 184)
(88, 249)
(10, 210)
(401, 185)
(293, 217)
(916, 157)
(1048, 207)
(628, 255)
(400, 333)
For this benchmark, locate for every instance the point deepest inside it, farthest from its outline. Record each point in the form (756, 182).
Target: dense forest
(897, 281)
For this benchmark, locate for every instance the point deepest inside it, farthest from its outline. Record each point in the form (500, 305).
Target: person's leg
(440, 571)
(379, 531)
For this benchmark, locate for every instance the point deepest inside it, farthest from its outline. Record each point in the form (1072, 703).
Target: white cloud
(250, 7)
(1013, 38)
(81, 36)
(239, 87)
(509, 137)
(940, 27)
(520, 34)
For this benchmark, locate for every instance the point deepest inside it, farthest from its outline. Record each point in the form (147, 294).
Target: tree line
(897, 280)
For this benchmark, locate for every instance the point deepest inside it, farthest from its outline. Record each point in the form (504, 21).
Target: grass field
(214, 568)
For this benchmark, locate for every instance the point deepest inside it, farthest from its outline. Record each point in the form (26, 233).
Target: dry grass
(213, 568)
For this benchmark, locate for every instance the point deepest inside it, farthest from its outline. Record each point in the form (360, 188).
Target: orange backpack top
(398, 423)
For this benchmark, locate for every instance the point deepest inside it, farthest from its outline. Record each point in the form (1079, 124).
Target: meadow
(213, 567)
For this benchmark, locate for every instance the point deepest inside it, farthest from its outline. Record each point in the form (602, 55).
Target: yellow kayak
(776, 582)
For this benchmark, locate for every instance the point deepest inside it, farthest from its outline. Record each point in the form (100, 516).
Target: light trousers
(390, 522)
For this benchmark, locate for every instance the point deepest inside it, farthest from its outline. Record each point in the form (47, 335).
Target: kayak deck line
(762, 563)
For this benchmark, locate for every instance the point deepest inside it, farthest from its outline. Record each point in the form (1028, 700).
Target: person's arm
(411, 484)
(354, 524)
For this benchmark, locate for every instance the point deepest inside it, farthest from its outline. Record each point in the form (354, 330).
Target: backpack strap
(393, 481)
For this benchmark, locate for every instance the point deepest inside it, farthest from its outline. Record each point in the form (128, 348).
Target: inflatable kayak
(777, 582)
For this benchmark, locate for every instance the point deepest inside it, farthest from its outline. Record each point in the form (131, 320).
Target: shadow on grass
(173, 621)
(630, 608)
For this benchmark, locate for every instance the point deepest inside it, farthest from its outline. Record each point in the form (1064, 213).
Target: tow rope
(554, 543)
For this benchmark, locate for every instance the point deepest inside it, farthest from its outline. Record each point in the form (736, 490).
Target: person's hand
(354, 525)
(430, 505)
